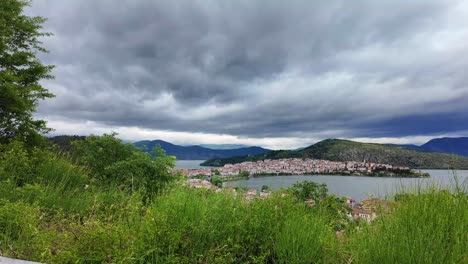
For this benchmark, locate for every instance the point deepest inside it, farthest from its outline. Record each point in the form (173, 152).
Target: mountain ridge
(198, 152)
(457, 145)
(347, 150)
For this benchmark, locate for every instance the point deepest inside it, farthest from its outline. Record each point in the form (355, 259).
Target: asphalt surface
(4, 260)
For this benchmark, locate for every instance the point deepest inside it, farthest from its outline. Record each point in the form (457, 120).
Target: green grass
(199, 226)
(429, 226)
(52, 217)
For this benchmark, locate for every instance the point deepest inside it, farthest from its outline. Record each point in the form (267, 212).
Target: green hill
(346, 150)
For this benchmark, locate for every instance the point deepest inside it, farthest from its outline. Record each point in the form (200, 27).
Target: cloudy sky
(280, 74)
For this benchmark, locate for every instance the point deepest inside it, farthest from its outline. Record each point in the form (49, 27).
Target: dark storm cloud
(260, 68)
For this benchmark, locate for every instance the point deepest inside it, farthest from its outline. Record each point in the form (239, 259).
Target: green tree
(116, 164)
(21, 72)
(100, 152)
(309, 190)
(244, 174)
(216, 181)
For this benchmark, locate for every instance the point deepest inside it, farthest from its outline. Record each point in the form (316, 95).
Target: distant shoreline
(297, 166)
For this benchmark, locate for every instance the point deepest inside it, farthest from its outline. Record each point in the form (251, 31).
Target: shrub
(309, 190)
(20, 164)
(18, 223)
(216, 181)
(125, 166)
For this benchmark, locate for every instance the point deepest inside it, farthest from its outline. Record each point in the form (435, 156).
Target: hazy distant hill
(223, 146)
(198, 152)
(457, 146)
(346, 150)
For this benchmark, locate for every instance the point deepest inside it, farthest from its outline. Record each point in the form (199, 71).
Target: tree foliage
(21, 72)
(124, 165)
(309, 190)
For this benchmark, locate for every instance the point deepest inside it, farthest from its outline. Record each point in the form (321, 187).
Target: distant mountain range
(346, 150)
(458, 146)
(433, 154)
(199, 152)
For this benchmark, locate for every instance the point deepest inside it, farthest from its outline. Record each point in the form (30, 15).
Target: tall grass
(182, 226)
(304, 238)
(52, 217)
(428, 226)
(206, 227)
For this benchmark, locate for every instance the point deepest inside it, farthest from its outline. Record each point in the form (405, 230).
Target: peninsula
(296, 166)
(346, 150)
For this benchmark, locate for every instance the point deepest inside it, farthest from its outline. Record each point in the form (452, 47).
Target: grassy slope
(345, 150)
(55, 219)
(199, 226)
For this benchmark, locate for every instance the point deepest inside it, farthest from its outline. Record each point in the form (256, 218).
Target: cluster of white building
(249, 194)
(297, 167)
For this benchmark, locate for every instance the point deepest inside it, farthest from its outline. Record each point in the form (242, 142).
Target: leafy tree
(21, 165)
(21, 72)
(244, 174)
(124, 165)
(216, 181)
(309, 190)
(100, 152)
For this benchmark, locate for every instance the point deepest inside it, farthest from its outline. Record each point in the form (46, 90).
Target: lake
(358, 187)
(189, 164)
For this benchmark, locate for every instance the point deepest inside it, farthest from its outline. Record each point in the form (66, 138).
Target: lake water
(358, 187)
(189, 164)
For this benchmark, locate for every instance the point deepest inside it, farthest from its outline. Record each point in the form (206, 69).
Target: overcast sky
(280, 74)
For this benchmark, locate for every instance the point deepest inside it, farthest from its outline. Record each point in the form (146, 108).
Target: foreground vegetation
(107, 202)
(111, 203)
(346, 150)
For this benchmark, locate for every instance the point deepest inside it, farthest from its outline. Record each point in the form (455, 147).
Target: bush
(309, 190)
(216, 181)
(125, 166)
(18, 223)
(20, 164)
(100, 152)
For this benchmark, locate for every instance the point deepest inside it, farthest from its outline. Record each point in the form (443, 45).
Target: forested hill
(346, 150)
(198, 152)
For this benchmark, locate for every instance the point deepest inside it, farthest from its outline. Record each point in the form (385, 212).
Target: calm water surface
(189, 164)
(359, 188)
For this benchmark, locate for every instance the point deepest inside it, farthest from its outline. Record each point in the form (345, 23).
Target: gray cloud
(260, 68)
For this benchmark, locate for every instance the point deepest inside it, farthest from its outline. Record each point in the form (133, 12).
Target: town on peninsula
(296, 166)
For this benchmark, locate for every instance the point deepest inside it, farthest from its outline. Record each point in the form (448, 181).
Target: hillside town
(300, 167)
